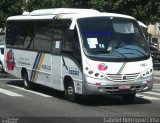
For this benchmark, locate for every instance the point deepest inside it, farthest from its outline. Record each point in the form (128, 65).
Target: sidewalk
(156, 73)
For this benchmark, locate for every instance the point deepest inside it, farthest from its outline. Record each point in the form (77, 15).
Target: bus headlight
(147, 73)
(93, 74)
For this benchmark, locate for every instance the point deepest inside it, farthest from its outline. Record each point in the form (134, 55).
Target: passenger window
(12, 33)
(70, 42)
(43, 36)
(25, 38)
(2, 51)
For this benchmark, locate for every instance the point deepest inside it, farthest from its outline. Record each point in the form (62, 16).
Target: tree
(98, 4)
(38, 4)
(147, 11)
(9, 8)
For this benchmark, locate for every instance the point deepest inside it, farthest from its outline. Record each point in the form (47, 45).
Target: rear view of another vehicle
(152, 43)
(2, 38)
(154, 47)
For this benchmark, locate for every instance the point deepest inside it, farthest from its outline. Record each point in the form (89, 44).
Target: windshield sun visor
(123, 27)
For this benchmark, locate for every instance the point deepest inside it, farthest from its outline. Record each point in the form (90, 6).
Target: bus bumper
(140, 85)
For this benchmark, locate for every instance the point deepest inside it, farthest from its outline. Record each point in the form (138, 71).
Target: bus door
(66, 53)
(56, 71)
(56, 55)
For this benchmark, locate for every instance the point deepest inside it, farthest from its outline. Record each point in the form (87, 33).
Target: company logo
(102, 67)
(10, 62)
(124, 77)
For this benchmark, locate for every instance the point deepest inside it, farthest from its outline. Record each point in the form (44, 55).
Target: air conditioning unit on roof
(62, 11)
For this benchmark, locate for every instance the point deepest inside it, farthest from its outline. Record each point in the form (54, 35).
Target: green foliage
(98, 4)
(147, 11)
(9, 8)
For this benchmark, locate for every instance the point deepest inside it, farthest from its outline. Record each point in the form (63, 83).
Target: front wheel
(70, 92)
(128, 97)
(1, 68)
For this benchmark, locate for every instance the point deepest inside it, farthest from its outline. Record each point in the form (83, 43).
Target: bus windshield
(113, 38)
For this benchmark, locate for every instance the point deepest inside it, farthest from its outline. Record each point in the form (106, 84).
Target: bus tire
(27, 83)
(1, 68)
(70, 92)
(129, 97)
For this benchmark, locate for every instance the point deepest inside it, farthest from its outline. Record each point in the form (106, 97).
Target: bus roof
(51, 13)
(64, 13)
(21, 17)
(142, 24)
(117, 15)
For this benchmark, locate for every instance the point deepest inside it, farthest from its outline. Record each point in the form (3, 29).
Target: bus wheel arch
(69, 89)
(26, 82)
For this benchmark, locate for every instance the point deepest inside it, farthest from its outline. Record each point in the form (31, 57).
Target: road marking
(10, 93)
(40, 94)
(156, 90)
(147, 97)
(152, 93)
(4, 79)
(157, 84)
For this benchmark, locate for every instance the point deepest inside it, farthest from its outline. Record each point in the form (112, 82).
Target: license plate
(124, 86)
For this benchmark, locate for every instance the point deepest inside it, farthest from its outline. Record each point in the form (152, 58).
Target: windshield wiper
(120, 54)
(135, 50)
(113, 53)
(101, 51)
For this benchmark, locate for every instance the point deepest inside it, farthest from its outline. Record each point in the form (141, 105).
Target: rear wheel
(129, 97)
(1, 68)
(27, 83)
(70, 92)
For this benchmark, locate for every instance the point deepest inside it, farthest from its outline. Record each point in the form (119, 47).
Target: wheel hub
(70, 90)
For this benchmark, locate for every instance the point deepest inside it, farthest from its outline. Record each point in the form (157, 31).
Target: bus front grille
(122, 77)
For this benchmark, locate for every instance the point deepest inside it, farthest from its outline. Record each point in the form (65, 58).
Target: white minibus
(80, 52)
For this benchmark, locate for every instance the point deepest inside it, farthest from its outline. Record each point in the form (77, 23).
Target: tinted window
(70, 41)
(2, 51)
(64, 37)
(20, 34)
(12, 33)
(43, 36)
(33, 35)
(66, 40)
(26, 35)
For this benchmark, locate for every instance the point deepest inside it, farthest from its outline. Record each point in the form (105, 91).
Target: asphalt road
(45, 105)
